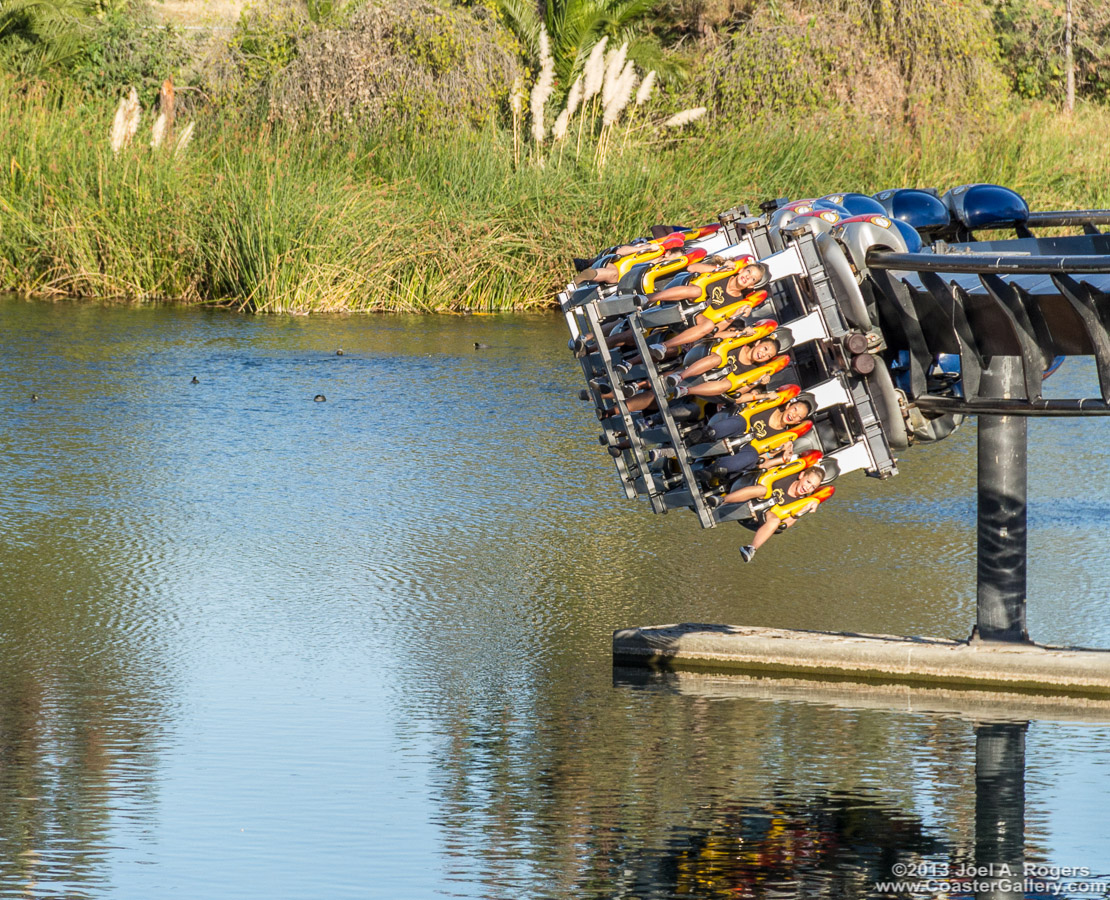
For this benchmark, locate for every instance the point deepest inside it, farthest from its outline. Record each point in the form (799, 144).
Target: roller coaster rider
(751, 359)
(782, 408)
(782, 482)
(617, 333)
(727, 288)
(772, 414)
(744, 362)
(713, 322)
(794, 490)
(666, 248)
(730, 291)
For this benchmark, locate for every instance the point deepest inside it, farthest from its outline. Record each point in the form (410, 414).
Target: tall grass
(276, 221)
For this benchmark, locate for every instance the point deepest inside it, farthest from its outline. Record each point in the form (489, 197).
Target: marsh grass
(268, 220)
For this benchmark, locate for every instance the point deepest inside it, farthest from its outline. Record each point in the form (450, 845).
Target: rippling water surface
(257, 646)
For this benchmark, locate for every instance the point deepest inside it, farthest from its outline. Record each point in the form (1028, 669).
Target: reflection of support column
(1000, 808)
(1002, 470)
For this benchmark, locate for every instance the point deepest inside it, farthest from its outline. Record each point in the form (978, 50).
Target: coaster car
(663, 449)
(855, 204)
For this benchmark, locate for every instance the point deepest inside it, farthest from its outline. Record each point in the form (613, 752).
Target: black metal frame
(1005, 338)
(1004, 319)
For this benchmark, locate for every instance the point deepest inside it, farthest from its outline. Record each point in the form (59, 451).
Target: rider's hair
(764, 274)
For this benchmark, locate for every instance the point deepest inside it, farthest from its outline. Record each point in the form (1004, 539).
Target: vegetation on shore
(323, 177)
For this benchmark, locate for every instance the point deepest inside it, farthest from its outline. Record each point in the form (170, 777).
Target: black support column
(999, 810)
(1002, 501)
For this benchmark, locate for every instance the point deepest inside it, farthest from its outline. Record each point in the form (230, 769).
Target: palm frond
(524, 21)
(36, 35)
(575, 26)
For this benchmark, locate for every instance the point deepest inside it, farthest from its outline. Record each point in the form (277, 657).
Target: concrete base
(1071, 671)
(976, 705)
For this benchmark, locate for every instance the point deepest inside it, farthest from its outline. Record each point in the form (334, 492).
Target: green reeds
(273, 221)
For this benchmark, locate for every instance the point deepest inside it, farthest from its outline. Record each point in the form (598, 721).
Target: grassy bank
(274, 221)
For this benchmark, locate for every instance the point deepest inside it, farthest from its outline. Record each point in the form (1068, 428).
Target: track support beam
(1002, 509)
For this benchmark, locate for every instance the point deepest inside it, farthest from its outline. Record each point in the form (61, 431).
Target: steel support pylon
(1002, 509)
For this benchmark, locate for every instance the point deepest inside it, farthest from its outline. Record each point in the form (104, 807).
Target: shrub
(128, 48)
(879, 58)
(408, 61)
(1031, 39)
(266, 40)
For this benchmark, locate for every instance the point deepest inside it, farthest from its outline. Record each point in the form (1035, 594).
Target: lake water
(257, 646)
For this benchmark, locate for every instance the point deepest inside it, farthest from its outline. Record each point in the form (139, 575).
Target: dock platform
(990, 665)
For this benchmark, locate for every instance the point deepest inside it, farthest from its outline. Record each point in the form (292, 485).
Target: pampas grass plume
(685, 117)
(644, 92)
(545, 85)
(158, 132)
(614, 66)
(621, 94)
(595, 70)
(559, 129)
(574, 97)
(184, 139)
(628, 80)
(126, 121)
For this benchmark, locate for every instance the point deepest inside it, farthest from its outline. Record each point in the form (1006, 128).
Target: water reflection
(252, 645)
(1000, 808)
(706, 788)
(955, 818)
(80, 722)
(822, 846)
